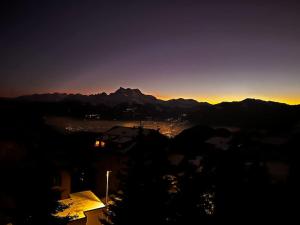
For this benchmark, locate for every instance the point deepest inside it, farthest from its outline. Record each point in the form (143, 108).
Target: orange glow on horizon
(217, 100)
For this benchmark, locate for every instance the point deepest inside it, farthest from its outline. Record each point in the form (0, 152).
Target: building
(82, 208)
(108, 152)
(121, 139)
(111, 153)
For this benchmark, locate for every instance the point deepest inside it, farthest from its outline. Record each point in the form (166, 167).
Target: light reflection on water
(68, 124)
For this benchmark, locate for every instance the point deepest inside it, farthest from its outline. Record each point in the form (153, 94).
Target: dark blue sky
(207, 50)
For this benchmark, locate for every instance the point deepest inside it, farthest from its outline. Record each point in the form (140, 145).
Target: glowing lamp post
(107, 182)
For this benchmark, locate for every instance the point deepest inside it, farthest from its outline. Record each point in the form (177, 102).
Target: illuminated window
(97, 143)
(100, 144)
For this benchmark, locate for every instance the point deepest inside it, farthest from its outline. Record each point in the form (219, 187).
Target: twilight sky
(207, 50)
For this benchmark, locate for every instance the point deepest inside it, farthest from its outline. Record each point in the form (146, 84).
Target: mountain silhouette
(132, 104)
(120, 96)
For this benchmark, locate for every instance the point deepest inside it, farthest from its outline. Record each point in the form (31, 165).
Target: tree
(143, 194)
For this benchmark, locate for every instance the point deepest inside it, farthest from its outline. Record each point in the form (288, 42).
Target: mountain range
(120, 96)
(132, 96)
(132, 104)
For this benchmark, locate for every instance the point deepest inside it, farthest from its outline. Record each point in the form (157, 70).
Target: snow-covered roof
(220, 142)
(122, 135)
(126, 131)
(275, 140)
(78, 204)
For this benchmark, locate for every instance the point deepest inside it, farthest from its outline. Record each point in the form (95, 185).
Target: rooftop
(79, 203)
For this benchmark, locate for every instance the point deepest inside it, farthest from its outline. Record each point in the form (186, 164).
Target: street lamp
(107, 180)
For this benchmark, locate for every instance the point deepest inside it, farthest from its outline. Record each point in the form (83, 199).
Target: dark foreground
(201, 176)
